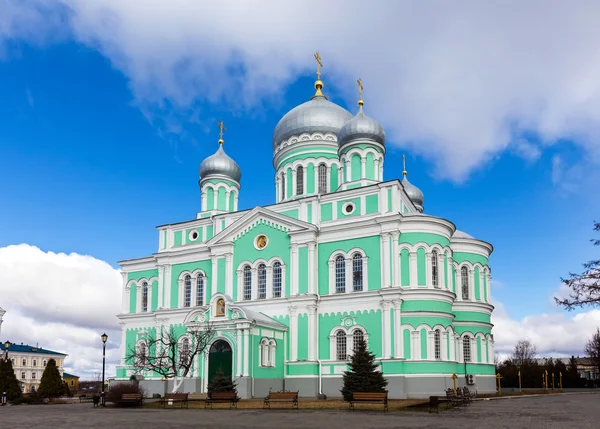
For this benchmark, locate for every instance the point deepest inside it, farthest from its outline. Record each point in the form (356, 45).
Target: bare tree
(169, 355)
(592, 348)
(585, 287)
(524, 353)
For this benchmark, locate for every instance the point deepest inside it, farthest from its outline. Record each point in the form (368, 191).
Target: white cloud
(63, 303)
(445, 78)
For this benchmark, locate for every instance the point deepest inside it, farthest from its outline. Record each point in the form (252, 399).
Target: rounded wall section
(306, 175)
(219, 194)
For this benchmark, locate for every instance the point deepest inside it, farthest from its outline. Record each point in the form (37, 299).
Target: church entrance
(220, 357)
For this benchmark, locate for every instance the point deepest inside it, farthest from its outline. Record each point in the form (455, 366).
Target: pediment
(258, 216)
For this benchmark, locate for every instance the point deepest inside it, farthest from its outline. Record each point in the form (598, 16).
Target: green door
(220, 357)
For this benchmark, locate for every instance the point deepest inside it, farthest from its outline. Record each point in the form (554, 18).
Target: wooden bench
(434, 403)
(452, 399)
(192, 397)
(175, 398)
(130, 399)
(369, 397)
(281, 397)
(222, 397)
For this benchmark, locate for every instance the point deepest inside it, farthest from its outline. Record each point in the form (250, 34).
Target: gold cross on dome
(319, 64)
(404, 161)
(360, 91)
(221, 129)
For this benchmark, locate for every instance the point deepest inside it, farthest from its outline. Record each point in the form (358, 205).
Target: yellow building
(72, 381)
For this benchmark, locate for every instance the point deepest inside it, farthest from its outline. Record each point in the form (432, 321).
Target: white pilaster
(312, 262)
(124, 348)
(385, 330)
(430, 345)
(269, 294)
(385, 251)
(415, 347)
(428, 270)
(277, 188)
(228, 275)
(313, 336)
(441, 271)
(293, 333)
(304, 181)
(239, 352)
(489, 287)
(412, 258)
(203, 202)
(398, 339)
(294, 182)
(444, 346)
(481, 286)
(254, 288)
(246, 350)
(348, 172)
(376, 170)
(294, 270)
(471, 284)
(214, 275)
(363, 167)
(395, 259)
(167, 287)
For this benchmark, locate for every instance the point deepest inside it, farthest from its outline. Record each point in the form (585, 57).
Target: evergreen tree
(221, 383)
(51, 384)
(13, 387)
(363, 375)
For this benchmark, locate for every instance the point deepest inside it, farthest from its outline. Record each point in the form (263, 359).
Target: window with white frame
(187, 291)
(283, 187)
(23, 375)
(145, 296)
(467, 349)
(247, 283)
(299, 180)
(464, 281)
(142, 353)
(437, 344)
(34, 363)
(340, 345)
(357, 272)
(340, 274)
(24, 362)
(262, 281)
(199, 290)
(357, 337)
(45, 363)
(276, 279)
(267, 350)
(33, 375)
(322, 179)
(184, 351)
(434, 269)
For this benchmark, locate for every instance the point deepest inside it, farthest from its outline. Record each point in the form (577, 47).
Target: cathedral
(341, 256)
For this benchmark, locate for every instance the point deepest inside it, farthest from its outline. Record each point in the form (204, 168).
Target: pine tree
(51, 385)
(13, 388)
(221, 383)
(363, 375)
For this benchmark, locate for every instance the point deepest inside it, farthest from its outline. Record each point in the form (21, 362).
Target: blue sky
(103, 127)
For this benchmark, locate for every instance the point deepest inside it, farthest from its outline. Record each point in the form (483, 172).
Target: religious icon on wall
(261, 241)
(221, 307)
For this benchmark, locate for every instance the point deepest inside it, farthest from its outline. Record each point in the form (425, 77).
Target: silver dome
(361, 127)
(414, 193)
(461, 234)
(316, 115)
(220, 164)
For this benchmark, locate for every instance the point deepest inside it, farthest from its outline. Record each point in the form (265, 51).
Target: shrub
(116, 390)
(51, 384)
(221, 383)
(363, 375)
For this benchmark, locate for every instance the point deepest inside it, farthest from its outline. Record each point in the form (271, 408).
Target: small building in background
(72, 381)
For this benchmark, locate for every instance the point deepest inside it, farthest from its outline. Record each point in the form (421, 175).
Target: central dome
(316, 115)
(220, 164)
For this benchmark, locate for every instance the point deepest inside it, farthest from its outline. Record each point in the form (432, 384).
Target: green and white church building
(340, 256)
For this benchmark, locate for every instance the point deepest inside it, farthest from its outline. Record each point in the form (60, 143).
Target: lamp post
(6, 347)
(104, 339)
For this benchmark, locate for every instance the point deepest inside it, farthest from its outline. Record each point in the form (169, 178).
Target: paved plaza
(557, 411)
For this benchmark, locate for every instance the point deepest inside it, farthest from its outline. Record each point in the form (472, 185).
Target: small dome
(220, 164)
(461, 234)
(316, 115)
(361, 127)
(414, 193)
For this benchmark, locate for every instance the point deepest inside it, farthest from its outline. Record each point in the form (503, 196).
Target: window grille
(357, 272)
(322, 179)
(283, 187)
(464, 280)
(247, 283)
(437, 344)
(357, 337)
(340, 345)
(299, 180)
(467, 349)
(200, 290)
(340, 274)
(276, 280)
(262, 281)
(188, 291)
(145, 296)
(434, 269)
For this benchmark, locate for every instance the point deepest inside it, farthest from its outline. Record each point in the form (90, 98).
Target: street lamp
(104, 339)
(6, 347)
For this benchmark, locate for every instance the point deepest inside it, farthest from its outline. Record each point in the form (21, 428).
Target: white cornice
(472, 245)
(428, 294)
(467, 323)
(481, 307)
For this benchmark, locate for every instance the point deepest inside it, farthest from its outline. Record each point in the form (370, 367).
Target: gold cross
(404, 161)
(360, 88)
(221, 129)
(319, 64)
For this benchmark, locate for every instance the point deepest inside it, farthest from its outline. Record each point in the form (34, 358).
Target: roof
(67, 375)
(24, 348)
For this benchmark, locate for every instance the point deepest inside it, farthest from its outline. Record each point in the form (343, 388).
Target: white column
(395, 259)
(382, 200)
(481, 286)
(385, 247)
(313, 336)
(229, 275)
(444, 346)
(441, 270)
(348, 172)
(294, 270)
(385, 330)
(246, 349)
(269, 285)
(458, 282)
(293, 333)
(227, 201)
(489, 287)
(398, 338)
(254, 288)
(203, 202)
(331, 276)
(238, 352)
(471, 284)
(412, 257)
(452, 348)
(312, 262)
(363, 168)
(240, 288)
(349, 283)
(327, 182)
(415, 347)
(167, 285)
(449, 272)
(430, 345)
(277, 188)
(376, 170)
(235, 201)
(215, 199)
(294, 182)
(304, 181)
(214, 275)
(381, 170)
(161, 285)
(340, 176)
(428, 269)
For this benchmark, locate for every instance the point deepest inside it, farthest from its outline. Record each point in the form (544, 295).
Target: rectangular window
(467, 349)
(33, 375)
(24, 362)
(434, 269)
(23, 375)
(322, 179)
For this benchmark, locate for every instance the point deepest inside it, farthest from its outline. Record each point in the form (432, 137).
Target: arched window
(187, 291)
(340, 274)
(299, 180)
(262, 281)
(44, 363)
(184, 351)
(357, 272)
(200, 290)
(34, 363)
(357, 337)
(437, 344)
(277, 279)
(247, 283)
(283, 187)
(145, 296)
(142, 353)
(322, 179)
(467, 349)
(340, 345)
(272, 352)
(464, 281)
(434, 269)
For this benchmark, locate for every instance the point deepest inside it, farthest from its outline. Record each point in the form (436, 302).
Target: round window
(194, 235)
(348, 208)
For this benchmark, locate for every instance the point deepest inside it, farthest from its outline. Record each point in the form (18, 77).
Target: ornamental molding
(305, 137)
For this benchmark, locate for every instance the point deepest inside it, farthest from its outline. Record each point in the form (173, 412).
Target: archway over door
(220, 357)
